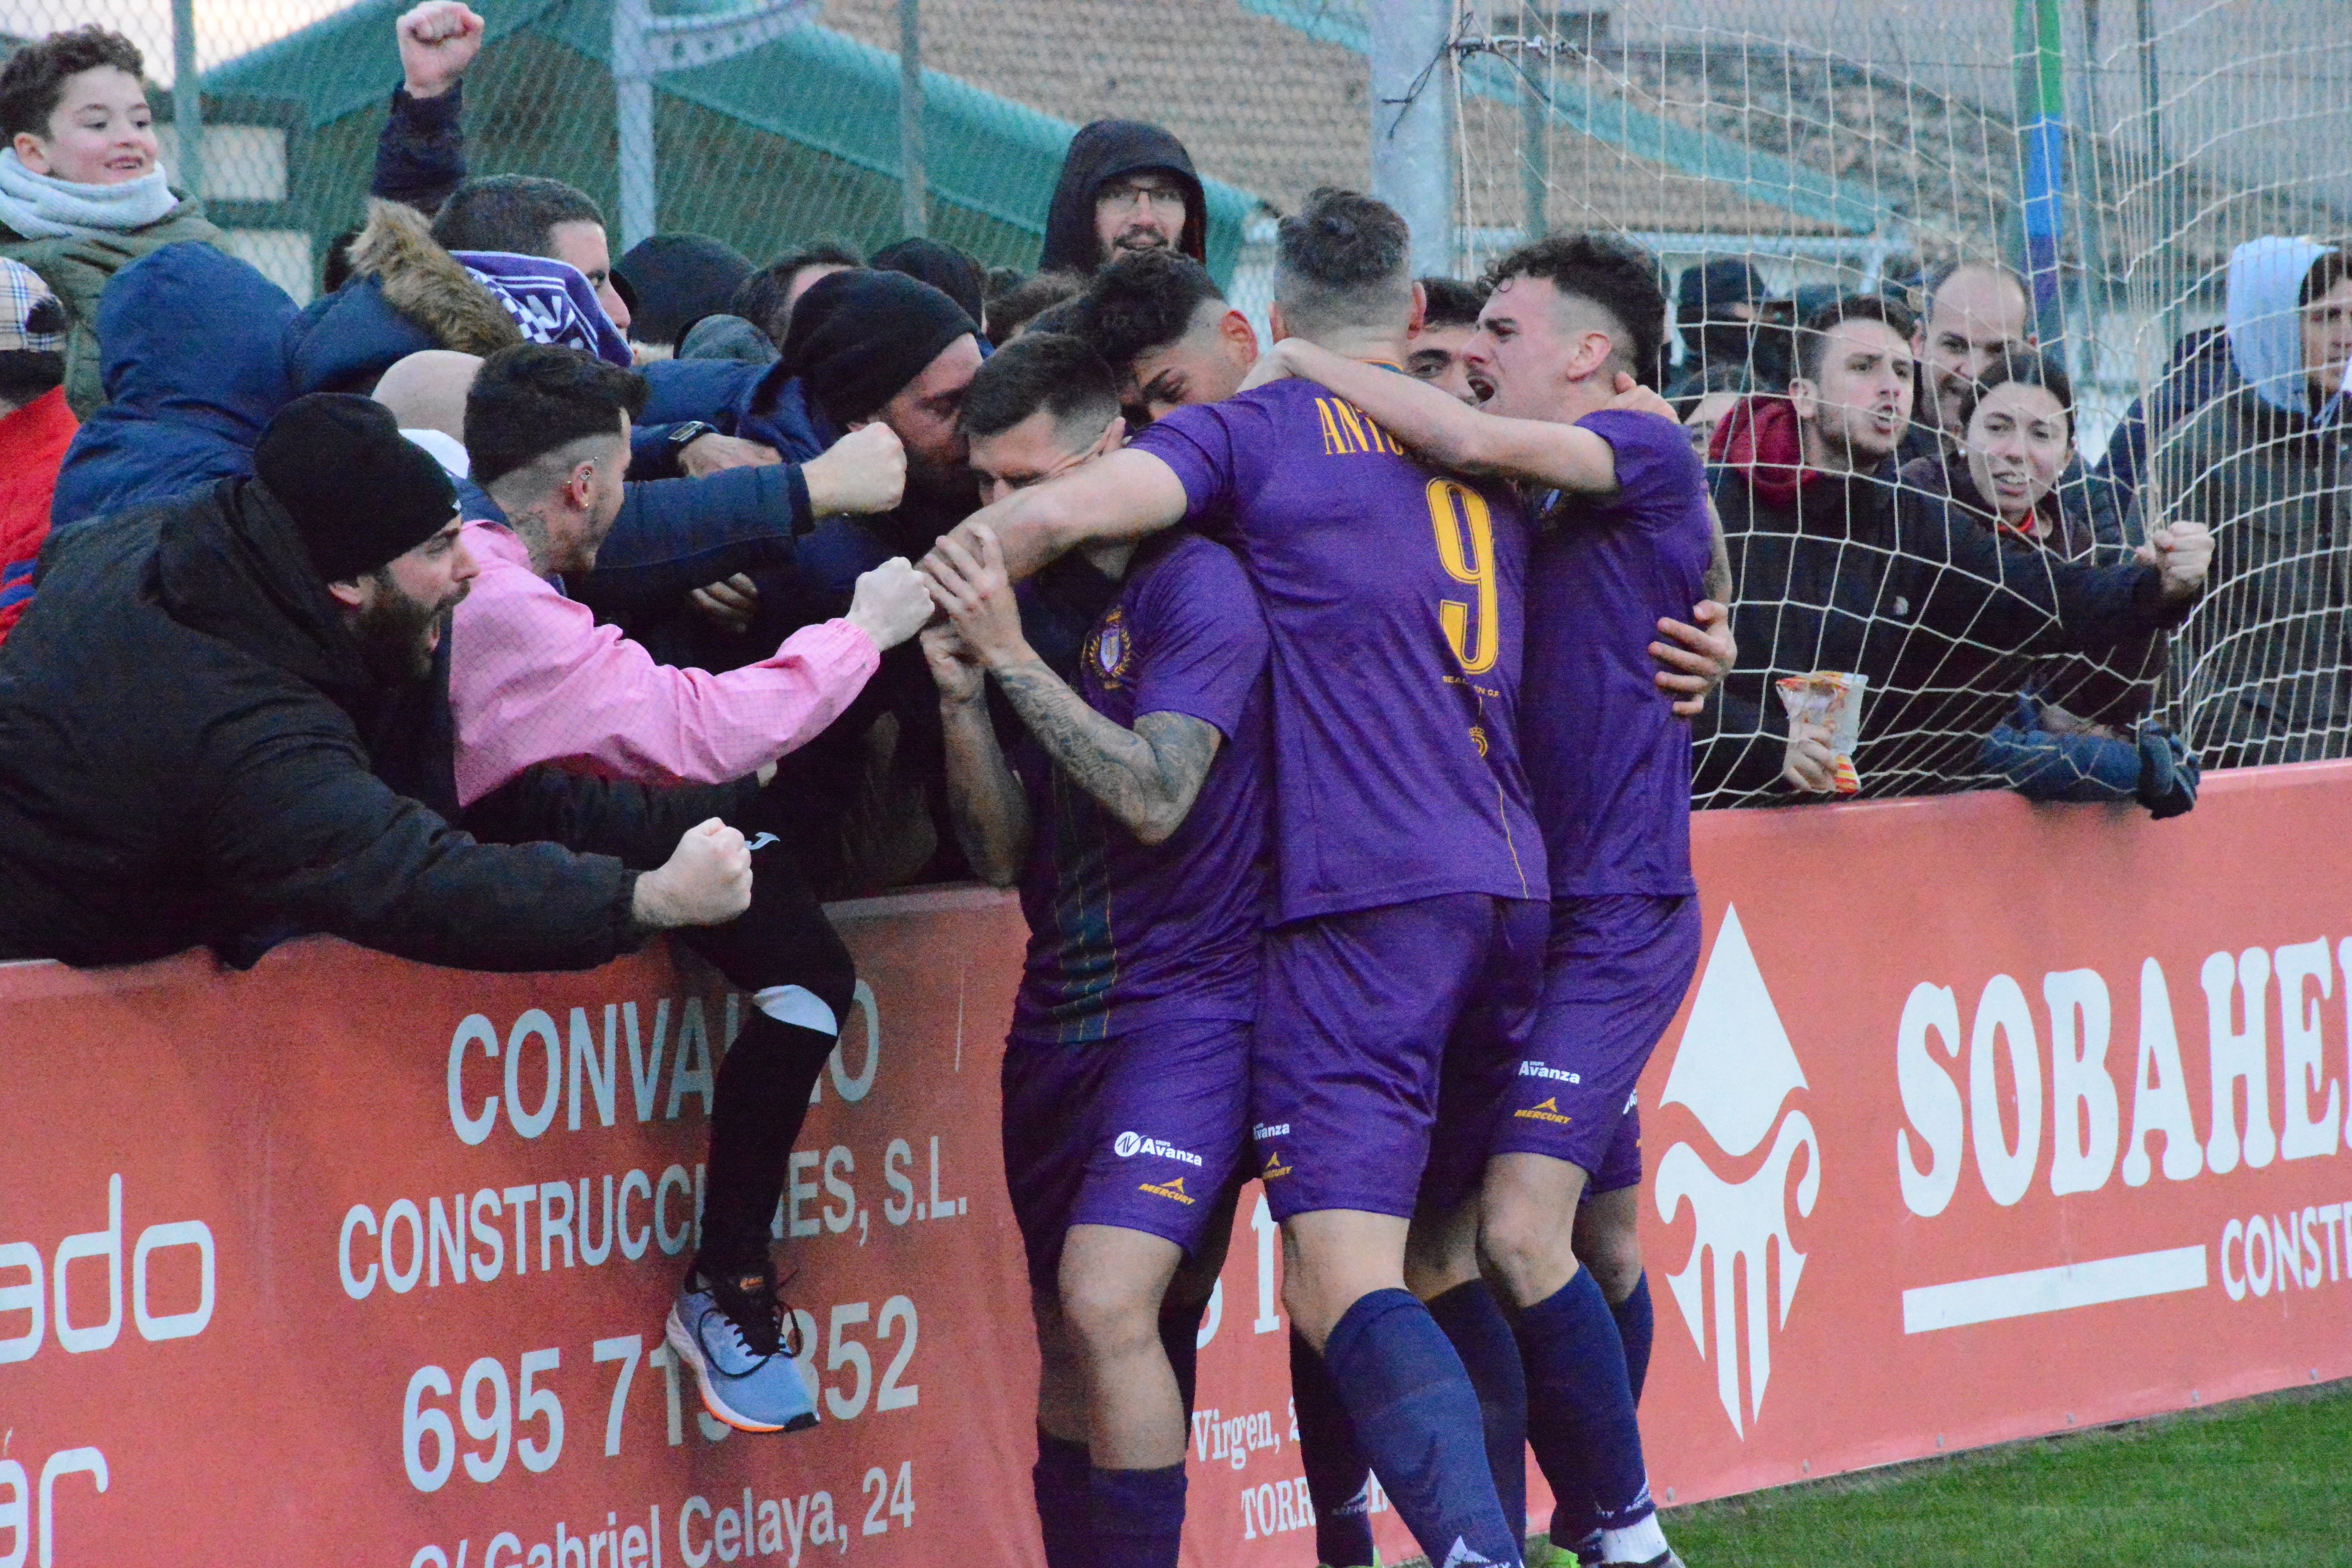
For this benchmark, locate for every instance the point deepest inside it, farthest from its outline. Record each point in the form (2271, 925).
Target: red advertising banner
(1982, 1119)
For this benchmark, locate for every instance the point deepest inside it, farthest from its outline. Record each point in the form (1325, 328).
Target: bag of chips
(1832, 700)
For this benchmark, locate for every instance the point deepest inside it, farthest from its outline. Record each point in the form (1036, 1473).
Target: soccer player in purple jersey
(1133, 815)
(1410, 908)
(1627, 540)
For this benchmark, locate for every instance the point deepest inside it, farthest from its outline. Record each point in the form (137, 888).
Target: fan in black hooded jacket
(1104, 151)
(192, 751)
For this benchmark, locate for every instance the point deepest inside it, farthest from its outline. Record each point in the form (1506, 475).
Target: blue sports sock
(1635, 1325)
(1138, 1517)
(1579, 1409)
(1061, 1481)
(1339, 1477)
(1416, 1415)
(1473, 1320)
(1180, 1336)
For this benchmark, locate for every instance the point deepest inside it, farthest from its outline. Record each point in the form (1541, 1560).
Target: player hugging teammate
(1439, 1076)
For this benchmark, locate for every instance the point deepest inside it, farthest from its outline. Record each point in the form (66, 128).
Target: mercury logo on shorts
(1128, 1145)
(1274, 1166)
(1174, 1189)
(1545, 1110)
(1536, 1070)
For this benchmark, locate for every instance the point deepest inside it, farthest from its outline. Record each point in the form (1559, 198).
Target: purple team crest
(1111, 647)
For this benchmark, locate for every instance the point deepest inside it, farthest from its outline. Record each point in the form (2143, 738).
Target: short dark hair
(531, 399)
(1049, 370)
(1342, 259)
(1143, 303)
(1615, 275)
(2332, 267)
(761, 297)
(32, 82)
(2026, 367)
(1813, 333)
(1013, 307)
(1062, 317)
(510, 213)
(1451, 302)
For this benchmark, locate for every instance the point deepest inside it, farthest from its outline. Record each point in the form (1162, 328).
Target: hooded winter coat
(2263, 665)
(188, 740)
(1099, 155)
(79, 267)
(192, 374)
(406, 294)
(1834, 575)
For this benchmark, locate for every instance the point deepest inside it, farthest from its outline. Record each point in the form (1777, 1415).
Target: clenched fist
(891, 603)
(438, 41)
(865, 472)
(707, 881)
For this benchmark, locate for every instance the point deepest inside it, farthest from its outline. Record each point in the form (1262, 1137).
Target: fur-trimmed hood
(406, 294)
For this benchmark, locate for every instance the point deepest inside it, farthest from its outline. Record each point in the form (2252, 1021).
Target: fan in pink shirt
(533, 678)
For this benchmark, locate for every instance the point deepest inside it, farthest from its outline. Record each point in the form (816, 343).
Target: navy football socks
(1634, 1326)
(1062, 1481)
(1416, 1416)
(1473, 1320)
(1339, 1477)
(1580, 1410)
(1138, 1517)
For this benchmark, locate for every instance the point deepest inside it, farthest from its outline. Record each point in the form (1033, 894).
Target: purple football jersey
(1610, 762)
(1123, 934)
(1394, 594)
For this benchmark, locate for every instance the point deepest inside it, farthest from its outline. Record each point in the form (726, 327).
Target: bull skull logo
(1735, 1071)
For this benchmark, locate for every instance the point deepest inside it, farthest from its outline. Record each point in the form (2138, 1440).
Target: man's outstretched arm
(1125, 495)
(1450, 433)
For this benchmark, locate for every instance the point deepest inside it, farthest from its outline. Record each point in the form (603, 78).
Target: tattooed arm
(991, 814)
(1147, 777)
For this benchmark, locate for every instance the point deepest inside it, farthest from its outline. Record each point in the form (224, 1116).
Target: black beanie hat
(857, 336)
(943, 267)
(678, 279)
(360, 492)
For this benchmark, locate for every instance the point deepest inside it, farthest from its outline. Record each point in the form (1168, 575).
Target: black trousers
(783, 940)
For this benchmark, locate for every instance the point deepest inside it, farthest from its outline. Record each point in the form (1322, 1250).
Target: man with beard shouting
(192, 717)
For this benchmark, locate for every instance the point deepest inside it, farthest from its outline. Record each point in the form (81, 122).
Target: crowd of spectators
(499, 606)
(1900, 493)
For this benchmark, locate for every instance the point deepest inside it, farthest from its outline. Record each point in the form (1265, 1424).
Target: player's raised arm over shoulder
(1452, 434)
(1124, 495)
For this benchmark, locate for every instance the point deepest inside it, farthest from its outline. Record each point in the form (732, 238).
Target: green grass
(2246, 1484)
(2258, 1483)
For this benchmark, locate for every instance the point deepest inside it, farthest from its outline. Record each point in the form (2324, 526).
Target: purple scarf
(550, 300)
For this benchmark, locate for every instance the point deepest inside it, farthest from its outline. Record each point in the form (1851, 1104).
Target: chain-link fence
(2114, 153)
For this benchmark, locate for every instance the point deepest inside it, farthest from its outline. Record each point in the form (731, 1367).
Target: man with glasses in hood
(1126, 187)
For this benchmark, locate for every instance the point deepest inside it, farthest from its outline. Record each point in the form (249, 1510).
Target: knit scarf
(40, 207)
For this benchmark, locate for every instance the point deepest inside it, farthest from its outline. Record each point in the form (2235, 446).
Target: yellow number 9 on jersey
(1466, 548)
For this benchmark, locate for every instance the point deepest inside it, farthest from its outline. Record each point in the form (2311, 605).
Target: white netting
(2117, 155)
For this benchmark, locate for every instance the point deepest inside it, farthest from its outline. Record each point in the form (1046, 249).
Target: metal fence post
(1412, 134)
(187, 98)
(913, 217)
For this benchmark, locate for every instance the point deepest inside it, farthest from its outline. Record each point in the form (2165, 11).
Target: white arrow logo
(1734, 1070)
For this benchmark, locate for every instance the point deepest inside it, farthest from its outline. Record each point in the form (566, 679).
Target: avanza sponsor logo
(1128, 1145)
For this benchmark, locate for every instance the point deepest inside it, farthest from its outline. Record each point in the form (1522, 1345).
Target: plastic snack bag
(1834, 699)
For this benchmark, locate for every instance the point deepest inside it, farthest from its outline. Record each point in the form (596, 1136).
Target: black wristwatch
(686, 435)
